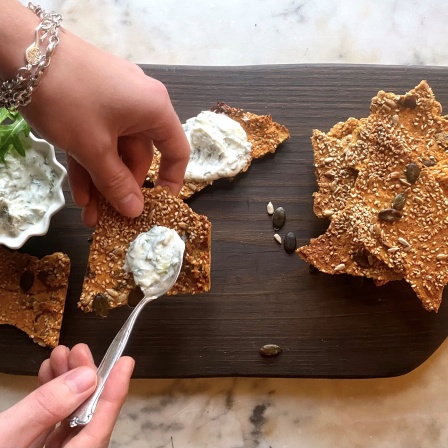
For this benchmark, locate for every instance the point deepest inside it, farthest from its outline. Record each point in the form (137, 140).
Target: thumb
(47, 406)
(116, 183)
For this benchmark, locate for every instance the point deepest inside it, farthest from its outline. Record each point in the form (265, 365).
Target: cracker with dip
(107, 285)
(224, 142)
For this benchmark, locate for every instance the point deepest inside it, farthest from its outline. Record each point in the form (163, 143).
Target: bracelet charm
(17, 92)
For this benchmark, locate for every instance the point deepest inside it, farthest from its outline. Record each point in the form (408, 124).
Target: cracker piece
(113, 234)
(336, 175)
(33, 293)
(342, 152)
(263, 133)
(339, 251)
(401, 130)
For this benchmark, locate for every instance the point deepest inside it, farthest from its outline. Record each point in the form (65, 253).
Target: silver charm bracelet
(17, 92)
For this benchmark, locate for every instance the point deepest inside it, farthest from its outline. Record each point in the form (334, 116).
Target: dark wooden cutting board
(328, 326)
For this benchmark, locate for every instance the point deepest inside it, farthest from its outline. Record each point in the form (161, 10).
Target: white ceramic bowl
(56, 202)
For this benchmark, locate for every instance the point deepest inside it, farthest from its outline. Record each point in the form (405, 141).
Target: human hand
(66, 380)
(107, 114)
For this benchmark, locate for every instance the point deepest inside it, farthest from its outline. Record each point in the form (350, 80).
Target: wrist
(17, 91)
(17, 25)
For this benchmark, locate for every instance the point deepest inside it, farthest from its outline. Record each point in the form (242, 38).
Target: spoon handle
(84, 413)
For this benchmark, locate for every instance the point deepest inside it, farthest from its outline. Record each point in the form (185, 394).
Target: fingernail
(81, 379)
(131, 206)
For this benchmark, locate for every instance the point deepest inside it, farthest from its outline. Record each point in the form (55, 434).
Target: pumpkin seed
(26, 281)
(399, 201)
(409, 101)
(100, 305)
(279, 218)
(412, 172)
(46, 278)
(353, 172)
(135, 296)
(289, 243)
(361, 259)
(270, 350)
(389, 215)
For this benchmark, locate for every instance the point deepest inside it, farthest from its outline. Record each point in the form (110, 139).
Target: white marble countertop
(403, 412)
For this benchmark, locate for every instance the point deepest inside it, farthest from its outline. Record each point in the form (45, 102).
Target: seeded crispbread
(339, 250)
(263, 133)
(402, 132)
(33, 293)
(105, 275)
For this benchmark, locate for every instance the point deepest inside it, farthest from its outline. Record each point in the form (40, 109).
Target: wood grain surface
(327, 326)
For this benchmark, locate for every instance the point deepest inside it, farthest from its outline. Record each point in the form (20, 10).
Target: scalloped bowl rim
(41, 227)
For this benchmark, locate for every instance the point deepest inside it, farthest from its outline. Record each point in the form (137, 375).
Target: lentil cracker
(264, 134)
(114, 232)
(33, 293)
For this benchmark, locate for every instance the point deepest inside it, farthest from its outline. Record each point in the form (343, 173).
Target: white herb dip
(218, 147)
(154, 256)
(26, 191)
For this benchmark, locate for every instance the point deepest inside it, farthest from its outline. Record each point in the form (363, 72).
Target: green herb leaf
(13, 133)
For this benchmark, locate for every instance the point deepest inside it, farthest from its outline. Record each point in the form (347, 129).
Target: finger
(54, 366)
(79, 181)
(115, 182)
(62, 359)
(45, 373)
(136, 153)
(175, 153)
(80, 355)
(47, 405)
(89, 213)
(83, 191)
(166, 132)
(98, 432)
(51, 368)
(59, 360)
(44, 376)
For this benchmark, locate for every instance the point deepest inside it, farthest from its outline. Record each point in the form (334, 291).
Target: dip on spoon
(153, 257)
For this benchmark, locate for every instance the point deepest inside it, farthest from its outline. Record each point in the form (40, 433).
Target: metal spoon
(84, 413)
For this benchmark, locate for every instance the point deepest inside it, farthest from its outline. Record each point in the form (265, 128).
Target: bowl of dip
(30, 192)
